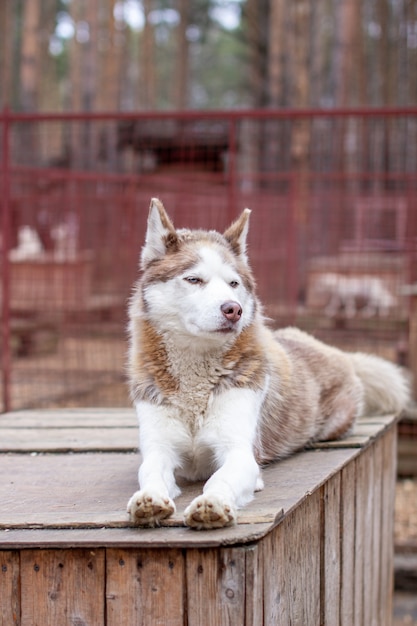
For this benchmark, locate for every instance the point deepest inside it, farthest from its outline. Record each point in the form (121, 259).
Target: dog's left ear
(160, 234)
(237, 233)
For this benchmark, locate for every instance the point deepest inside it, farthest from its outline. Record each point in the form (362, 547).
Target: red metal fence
(333, 238)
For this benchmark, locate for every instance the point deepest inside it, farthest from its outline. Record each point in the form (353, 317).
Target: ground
(405, 602)
(405, 609)
(406, 511)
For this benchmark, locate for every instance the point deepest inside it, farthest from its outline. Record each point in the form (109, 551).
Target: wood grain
(254, 585)
(91, 490)
(389, 445)
(331, 560)
(292, 578)
(376, 486)
(9, 588)
(64, 587)
(69, 418)
(216, 586)
(68, 439)
(314, 547)
(145, 587)
(348, 543)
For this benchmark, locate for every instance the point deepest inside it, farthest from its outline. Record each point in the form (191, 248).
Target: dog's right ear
(160, 234)
(237, 233)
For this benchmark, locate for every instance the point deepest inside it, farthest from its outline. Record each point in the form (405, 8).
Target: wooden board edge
(245, 518)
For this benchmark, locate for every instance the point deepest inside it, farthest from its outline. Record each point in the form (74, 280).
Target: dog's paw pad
(148, 509)
(207, 512)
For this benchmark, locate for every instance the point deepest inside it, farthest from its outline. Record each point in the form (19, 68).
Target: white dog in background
(346, 291)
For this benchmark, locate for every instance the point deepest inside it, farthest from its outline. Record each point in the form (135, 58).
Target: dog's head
(196, 283)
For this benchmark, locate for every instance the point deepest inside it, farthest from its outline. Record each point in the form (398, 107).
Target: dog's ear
(160, 234)
(237, 233)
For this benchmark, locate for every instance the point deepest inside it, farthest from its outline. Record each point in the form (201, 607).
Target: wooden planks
(9, 587)
(68, 440)
(145, 586)
(348, 547)
(292, 579)
(62, 587)
(69, 418)
(389, 456)
(314, 547)
(50, 491)
(254, 584)
(91, 490)
(331, 571)
(218, 577)
(69, 431)
(103, 430)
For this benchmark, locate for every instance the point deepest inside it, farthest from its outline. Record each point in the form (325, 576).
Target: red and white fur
(217, 393)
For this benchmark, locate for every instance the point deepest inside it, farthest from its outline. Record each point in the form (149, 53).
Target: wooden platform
(315, 547)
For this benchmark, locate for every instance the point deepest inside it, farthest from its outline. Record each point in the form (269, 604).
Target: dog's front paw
(210, 511)
(148, 509)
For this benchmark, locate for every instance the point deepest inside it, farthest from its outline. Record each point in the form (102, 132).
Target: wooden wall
(324, 557)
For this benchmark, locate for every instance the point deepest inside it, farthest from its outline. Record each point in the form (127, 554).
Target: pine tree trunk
(148, 92)
(257, 16)
(112, 43)
(180, 84)
(277, 42)
(344, 52)
(6, 48)
(29, 78)
(84, 138)
(301, 128)
(299, 50)
(29, 61)
(76, 60)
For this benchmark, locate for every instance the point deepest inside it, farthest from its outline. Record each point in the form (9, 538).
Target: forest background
(132, 55)
(82, 182)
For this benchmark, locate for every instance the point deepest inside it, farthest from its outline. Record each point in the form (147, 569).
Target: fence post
(5, 266)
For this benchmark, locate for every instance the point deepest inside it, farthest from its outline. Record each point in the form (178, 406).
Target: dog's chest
(197, 377)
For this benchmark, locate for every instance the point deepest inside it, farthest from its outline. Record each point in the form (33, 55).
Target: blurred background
(304, 111)
(129, 55)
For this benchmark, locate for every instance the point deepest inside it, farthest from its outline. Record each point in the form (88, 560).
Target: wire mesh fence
(333, 240)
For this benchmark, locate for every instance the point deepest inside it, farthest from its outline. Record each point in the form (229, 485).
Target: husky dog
(346, 291)
(216, 392)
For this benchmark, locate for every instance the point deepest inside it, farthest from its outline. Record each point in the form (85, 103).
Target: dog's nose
(231, 310)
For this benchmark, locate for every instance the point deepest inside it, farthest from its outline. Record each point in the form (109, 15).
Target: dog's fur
(216, 392)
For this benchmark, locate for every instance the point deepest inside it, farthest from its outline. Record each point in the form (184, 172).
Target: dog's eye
(234, 284)
(193, 280)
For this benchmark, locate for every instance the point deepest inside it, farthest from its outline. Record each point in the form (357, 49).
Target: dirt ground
(406, 511)
(405, 602)
(405, 609)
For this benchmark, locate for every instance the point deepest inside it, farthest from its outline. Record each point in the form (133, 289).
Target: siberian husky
(346, 291)
(217, 393)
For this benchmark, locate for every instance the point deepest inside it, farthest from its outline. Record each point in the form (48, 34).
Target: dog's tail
(386, 389)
